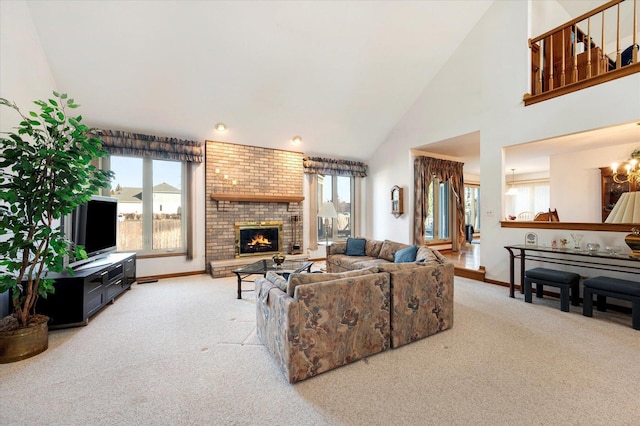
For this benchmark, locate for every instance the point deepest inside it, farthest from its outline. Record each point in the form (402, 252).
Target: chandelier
(631, 172)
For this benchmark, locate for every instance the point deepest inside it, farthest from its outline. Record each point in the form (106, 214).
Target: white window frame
(334, 197)
(147, 207)
(437, 214)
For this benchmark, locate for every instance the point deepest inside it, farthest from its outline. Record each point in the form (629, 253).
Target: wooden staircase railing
(572, 57)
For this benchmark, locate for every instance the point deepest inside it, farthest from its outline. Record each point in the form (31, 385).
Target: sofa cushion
(337, 247)
(392, 267)
(406, 255)
(344, 263)
(368, 263)
(372, 248)
(389, 249)
(305, 278)
(425, 254)
(355, 247)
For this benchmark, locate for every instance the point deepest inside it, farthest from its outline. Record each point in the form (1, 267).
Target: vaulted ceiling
(340, 74)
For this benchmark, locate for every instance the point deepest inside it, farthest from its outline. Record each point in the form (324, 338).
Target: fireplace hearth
(258, 238)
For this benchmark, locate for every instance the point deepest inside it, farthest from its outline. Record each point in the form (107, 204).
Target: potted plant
(46, 171)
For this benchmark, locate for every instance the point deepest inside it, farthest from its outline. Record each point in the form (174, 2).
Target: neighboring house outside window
(150, 204)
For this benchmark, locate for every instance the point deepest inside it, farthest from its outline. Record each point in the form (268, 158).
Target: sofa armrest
(276, 322)
(339, 247)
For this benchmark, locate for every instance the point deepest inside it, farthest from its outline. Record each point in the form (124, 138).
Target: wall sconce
(296, 140)
(221, 128)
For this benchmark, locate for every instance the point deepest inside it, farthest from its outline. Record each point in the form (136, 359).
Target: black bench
(564, 280)
(612, 287)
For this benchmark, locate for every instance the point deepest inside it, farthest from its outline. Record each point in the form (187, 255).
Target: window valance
(329, 166)
(117, 142)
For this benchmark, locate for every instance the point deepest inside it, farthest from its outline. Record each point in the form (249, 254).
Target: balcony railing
(598, 46)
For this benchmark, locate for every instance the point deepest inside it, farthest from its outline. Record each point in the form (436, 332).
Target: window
(438, 223)
(533, 196)
(472, 206)
(339, 190)
(150, 204)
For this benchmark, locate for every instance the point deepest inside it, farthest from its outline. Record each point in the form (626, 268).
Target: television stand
(90, 288)
(101, 261)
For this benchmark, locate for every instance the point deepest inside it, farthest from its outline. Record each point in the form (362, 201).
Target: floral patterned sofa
(421, 289)
(312, 323)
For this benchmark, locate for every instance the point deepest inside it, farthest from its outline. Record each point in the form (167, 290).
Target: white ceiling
(340, 74)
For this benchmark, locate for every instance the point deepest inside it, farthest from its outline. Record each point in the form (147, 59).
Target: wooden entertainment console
(92, 286)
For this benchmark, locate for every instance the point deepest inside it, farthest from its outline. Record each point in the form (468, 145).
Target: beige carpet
(184, 351)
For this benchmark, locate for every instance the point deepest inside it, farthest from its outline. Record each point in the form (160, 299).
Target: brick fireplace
(248, 184)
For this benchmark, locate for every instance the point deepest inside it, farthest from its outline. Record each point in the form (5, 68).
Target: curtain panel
(130, 144)
(424, 170)
(329, 166)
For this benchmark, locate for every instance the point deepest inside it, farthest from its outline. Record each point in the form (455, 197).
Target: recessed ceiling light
(296, 140)
(221, 128)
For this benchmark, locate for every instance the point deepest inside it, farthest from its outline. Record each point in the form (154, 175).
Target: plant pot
(24, 343)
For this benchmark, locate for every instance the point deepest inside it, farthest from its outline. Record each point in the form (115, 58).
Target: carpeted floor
(184, 351)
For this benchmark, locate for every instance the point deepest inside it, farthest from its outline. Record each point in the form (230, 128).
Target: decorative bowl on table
(593, 247)
(613, 250)
(278, 259)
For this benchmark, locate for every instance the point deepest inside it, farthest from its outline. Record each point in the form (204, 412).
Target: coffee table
(261, 267)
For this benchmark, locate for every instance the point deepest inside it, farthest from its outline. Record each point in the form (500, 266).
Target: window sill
(158, 255)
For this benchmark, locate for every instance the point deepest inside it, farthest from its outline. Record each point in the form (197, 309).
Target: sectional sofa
(365, 304)
(421, 294)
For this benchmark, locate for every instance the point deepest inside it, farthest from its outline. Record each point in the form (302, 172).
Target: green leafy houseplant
(46, 171)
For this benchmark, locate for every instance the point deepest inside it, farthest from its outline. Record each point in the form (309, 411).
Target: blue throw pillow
(355, 247)
(406, 255)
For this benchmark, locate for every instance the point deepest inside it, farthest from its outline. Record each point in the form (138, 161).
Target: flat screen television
(94, 225)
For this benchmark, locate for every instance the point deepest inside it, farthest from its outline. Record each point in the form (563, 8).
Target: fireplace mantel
(257, 198)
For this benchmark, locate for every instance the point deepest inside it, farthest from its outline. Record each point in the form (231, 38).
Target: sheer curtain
(533, 196)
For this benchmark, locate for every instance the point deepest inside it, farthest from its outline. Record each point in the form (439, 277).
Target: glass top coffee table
(261, 267)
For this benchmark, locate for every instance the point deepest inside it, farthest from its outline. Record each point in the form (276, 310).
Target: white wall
(579, 173)
(24, 73)
(25, 76)
(481, 88)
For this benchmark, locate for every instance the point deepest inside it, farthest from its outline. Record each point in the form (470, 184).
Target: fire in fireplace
(258, 238)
